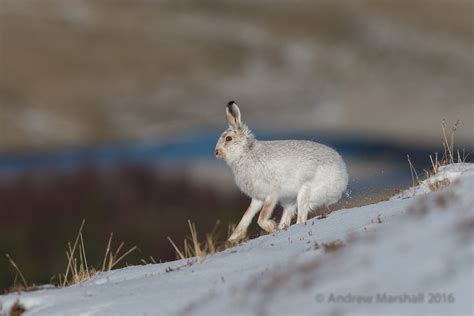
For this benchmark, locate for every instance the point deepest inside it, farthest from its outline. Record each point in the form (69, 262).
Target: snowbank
(407, 255)
(445, 176)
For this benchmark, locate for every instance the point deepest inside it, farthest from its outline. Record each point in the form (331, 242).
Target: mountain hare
(297, 174)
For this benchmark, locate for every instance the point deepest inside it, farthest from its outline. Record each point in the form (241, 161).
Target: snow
(405, 256)
(445, 175)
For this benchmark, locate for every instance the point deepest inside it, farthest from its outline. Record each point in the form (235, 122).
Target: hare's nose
(217, 152)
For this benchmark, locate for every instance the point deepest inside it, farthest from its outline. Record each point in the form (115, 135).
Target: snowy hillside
(409, 255)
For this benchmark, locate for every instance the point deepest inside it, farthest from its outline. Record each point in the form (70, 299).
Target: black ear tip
(230, 103)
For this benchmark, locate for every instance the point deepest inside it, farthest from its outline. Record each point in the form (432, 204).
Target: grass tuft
(18, 272)
(450, 156)
(192, 247)
(78, 270)
(19, 287)
(17, 309)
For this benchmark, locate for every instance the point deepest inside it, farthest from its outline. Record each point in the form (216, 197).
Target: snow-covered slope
(408, 255)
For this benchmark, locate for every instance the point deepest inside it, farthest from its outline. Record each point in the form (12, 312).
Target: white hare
(297, 174)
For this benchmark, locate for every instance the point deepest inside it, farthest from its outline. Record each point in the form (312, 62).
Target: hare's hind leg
(264, 220)
(314, 195)
(303, 203)
(241, 229)
(288, 213)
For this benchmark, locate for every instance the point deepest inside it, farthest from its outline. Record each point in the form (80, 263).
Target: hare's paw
(283, 225)
(237, 235)
(269, 225)
(285, 221)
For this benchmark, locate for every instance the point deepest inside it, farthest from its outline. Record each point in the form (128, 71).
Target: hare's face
(237, 139)
(231, 145)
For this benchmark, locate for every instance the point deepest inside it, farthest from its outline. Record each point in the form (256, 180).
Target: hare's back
(299, 151)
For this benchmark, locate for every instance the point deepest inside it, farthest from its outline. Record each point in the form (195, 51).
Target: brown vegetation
(333, 246)
(192, 247)
(17, 309)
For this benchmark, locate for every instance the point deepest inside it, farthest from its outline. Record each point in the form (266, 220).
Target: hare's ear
(233, 115)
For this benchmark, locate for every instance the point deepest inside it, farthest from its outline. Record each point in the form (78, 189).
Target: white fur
(296, 174)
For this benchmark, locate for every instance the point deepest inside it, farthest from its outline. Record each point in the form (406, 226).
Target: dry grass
(414, 174)
(192, 247)
(19, 283)
(437, 185)
(333, 246)
(17, 309)
(151, 260)
(78, 270)
(450, 156)
(19, 275)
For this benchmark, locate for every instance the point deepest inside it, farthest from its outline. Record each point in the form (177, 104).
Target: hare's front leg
(241, 229)
(264, 220)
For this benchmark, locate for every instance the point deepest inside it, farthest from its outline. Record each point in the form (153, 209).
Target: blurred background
(109, 110)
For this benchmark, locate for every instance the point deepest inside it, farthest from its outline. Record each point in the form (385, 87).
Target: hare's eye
(228, 138)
